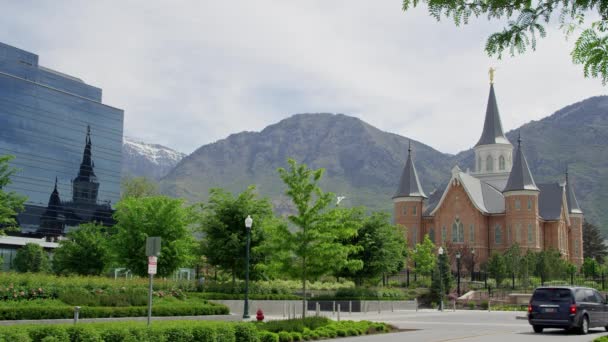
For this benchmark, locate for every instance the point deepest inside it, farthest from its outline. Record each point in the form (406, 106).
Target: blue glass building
(66, 143)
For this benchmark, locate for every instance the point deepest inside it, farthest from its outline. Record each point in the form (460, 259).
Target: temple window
(489, 164)
(471, 234)
(432, 234)
(414, 211)
(444, 234)
(530, 233)
(517, 204)
(498, 234)
(501, 163)
(529, 204)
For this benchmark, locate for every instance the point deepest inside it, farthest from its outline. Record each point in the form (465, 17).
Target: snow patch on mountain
(148, 160)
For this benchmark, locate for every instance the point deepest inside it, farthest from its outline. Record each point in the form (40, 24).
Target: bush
(267, 336)
(284, 336)
(31, 258)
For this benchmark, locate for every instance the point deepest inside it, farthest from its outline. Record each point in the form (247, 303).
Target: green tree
(11, 203)
(497, 268)
(593, 242)
(424, 256)
(311, 245)
(512, 258)
(443, 264)
(382, 249)
(225, 236)
(590, 267)
(139, 218)
(31, 258)
(138, 187)
(530, 19)
(85, 251)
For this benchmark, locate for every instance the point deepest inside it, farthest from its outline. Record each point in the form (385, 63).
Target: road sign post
(152, 251)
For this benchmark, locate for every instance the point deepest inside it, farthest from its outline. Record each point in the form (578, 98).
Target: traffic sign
(152, 264)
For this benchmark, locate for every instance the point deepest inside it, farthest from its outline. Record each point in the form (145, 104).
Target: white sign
(152, 264)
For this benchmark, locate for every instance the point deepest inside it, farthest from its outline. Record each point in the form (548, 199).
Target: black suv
(578, 308)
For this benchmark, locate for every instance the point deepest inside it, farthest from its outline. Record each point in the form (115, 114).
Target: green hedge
(57, 312)
(184, 331)
(228, 296)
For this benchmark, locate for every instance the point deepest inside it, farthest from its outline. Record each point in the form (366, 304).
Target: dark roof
(492, 127)
(409, 184)
(520, 177)
(433, 200)
(573, 206)
(550, 201)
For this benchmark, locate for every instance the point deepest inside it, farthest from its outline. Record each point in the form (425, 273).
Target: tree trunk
(304, 287)
(233, 277)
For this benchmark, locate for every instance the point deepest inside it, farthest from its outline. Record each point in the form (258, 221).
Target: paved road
(463, 326)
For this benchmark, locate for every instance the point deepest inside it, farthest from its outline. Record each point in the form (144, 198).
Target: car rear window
(552, 295)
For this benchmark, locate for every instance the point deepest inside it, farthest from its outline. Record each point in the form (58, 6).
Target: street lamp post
(458, 272)
(440, 253)
(472, 264)
(248, 223)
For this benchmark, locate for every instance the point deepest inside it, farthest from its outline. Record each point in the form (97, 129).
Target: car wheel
(537, 329)
(584, 326)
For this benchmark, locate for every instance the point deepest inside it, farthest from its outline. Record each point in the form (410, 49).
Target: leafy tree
(512, 258)
(527, 267)
(531, 17)
(590, 267)
(138, 187)
(437, 285)
(31, 258)
(85, 251)
(382, 248)
(139, 218)
(443, 264)
(311, 246)
(10, 202)
(497, 268)
(424, 256)
(225, 236)
(593, 242)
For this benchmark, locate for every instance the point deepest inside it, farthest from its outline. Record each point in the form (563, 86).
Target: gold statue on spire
(491, 72)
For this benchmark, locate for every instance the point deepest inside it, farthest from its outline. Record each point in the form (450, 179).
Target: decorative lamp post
(472, 264)
(440, 253)
(458, 272)
(248, 224)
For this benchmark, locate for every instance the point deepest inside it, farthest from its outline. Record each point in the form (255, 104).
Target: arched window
(472, 234)
(414, 235)
(479, 169)
(576, 248)
(498, 234)
(414, 211)
(489, 164)
(529, 204)
(518, 233)
(501, 163)
(517, 204)
(457, 231)
(530, 233)
(444, 234)
(432, 234)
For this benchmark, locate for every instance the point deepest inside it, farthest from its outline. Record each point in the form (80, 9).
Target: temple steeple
(573, 205)
(493, 151)
(520, 177)
(492, 127)
(85, 186)
(409, 184)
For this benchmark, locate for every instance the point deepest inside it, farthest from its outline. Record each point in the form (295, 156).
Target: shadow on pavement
(562, 332)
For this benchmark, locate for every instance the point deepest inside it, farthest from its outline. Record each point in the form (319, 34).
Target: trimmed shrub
(284, 336)
(267, 336)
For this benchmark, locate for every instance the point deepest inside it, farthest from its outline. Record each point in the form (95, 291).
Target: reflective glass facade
(66, 143)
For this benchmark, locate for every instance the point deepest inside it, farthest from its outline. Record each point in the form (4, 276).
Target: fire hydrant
(259, 315)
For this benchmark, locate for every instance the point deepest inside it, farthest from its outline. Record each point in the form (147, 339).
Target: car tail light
(573, 309)
(529, 308)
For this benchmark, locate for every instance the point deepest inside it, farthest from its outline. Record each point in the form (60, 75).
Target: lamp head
(458, 255)
(440, 251)
(248, 222)
(473, 251)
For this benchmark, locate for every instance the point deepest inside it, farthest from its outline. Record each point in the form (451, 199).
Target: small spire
(566, 172)
(55, 182)
(518, 138)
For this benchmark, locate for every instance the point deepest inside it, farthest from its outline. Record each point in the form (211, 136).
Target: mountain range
(148, 160)
(364, 163)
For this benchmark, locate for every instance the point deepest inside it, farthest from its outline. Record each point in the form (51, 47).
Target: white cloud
(190, 72)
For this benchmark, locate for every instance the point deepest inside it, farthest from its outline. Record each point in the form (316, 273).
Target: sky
(188, 73)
